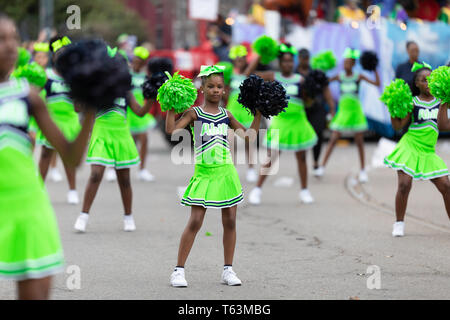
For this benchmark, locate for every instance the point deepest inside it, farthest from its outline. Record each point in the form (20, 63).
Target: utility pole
(46, 17)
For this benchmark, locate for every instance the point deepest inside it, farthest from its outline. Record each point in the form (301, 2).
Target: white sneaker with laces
(145, 175)
(255, 196)
(177, 278)
(252, 175)
(72, 197)
(229, 278)
(305, 196)
(81, 223)
(398, 229)
(54, 174)
(128, 223)
(363, 177)
(110, 175)
(318, 172)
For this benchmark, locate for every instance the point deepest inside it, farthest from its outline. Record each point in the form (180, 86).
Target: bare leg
(92, 186)
(267, 165)
(443, 185)
(401, 199)
(359, 140)
(34, 289)
(331, 144)
(187, 239)
(123, 177)
(71, 176)
(143, 140)
(229, 233)
(44, 161)
(302, 168)
(54, 160)
(247, 152)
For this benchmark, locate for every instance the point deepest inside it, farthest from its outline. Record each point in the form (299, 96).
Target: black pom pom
(314, 83)
(160, 64)
(369, 60)
(151, 85)
(269, 98)
(95, 79)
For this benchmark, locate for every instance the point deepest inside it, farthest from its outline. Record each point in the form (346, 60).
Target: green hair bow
(141, 52)
(285, 49)
(111, 52)
(417, 66)
(237, 51)
(207, 70)
(58, 44)
(350, 53)
(41, 47)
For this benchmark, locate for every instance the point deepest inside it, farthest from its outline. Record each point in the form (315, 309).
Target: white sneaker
(72, 197)
(81, 223)
(363, 177)
(145, 175)
(252, 175)
(110, 175)
(54, 174)
(318, 172)
(128, 224)
(177, 278)
(305, 196)
(255, 196)
(398, 229)
(229, 278)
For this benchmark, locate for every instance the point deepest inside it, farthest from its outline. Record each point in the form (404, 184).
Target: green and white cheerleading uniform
(61, 109)
(111, 142)
(350, 115)
(239, 112)
(215, 183)
(291, 130)
(30, 247)
(415, 152)
(139, 124)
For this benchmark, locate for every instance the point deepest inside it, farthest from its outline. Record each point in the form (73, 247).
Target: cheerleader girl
(414, 157)
(350, 116)
(295, 133)
(30, 251)
(139, 126)
(238, 55)
(62, 111)
(215, 183)
(112, 146)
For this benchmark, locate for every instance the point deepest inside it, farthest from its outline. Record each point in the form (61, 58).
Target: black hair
(281, 54)
(414, 89)
(304, 53)
(409, 43)
(204, 78)
(159, 64)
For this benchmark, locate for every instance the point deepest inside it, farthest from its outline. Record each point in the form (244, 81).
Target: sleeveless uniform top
(57, 94)
(210, 133)
(15, 115)
(349, 85)
(137, 80)
(119, 107)
(424, 115)
(293, 90)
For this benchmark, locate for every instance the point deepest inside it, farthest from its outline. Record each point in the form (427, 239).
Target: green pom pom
(324, 61)
(398, 98)
(266, 48)
(177, 93)
(23, 57)
(228, 72)
(33, 72)
(439, 83)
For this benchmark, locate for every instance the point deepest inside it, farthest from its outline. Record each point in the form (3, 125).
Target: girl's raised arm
(241, 131)
(375, 83)
(398, 123)
(70, 152)
(266, 75)
(136, 107)
(186, 119)
(442, 118)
